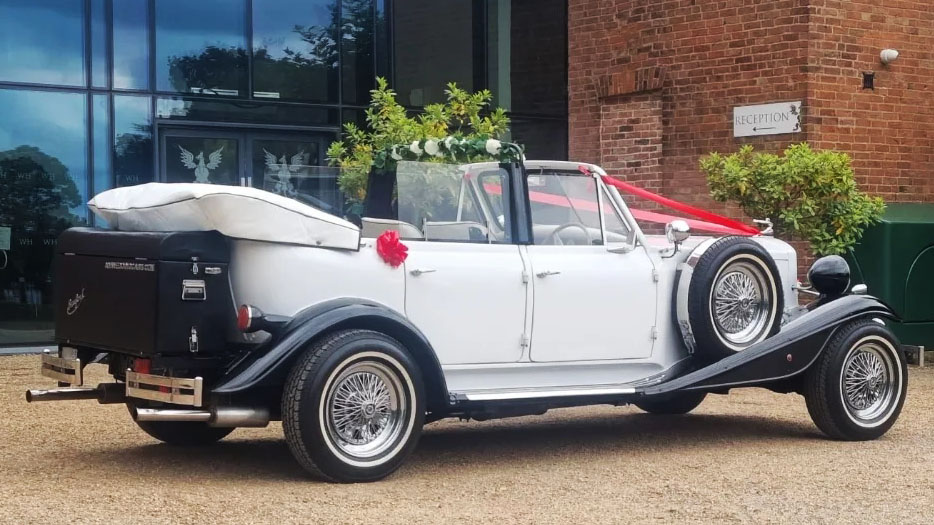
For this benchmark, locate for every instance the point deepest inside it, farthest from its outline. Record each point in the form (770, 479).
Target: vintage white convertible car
(476, 291)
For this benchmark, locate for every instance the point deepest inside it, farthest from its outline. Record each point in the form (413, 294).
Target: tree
(808, 194)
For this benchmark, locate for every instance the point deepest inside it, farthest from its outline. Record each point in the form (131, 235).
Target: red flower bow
(391, 249)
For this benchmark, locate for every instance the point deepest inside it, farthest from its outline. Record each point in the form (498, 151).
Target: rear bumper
(174, 390)
(62, 369)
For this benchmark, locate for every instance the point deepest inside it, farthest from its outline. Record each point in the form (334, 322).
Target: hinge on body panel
(525, 277)
(654, 333)
(654, 275)
(524, 341)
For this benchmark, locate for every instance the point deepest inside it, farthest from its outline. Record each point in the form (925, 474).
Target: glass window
(433, 44)
(563, 208)
(617, 231)
(201, 46)
(357, 61)
(99, 76)
(181, 109)
(536, 76)
(131, 44)
(435, 202)
(132, 155)
(43, 173)
(292, 166)
(541, 138)
(42, 41)
(295, 51)
(101, 149)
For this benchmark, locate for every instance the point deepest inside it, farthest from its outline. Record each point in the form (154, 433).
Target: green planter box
(895, 259)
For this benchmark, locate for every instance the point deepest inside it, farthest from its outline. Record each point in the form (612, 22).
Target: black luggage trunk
(143, 293)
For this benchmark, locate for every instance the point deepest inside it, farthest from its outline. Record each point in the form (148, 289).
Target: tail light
(247, 317)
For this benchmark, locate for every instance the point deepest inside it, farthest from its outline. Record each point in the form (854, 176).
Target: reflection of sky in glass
(99, 43)
(185, 28)
(275, 20)
(56, 123)
(132, 125)
(42, 41)
(131, 44)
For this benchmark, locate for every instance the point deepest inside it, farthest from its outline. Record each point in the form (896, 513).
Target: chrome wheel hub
(366, 409)
(868, 381)
(741, 303)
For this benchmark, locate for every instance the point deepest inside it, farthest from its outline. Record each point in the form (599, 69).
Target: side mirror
(677, 231)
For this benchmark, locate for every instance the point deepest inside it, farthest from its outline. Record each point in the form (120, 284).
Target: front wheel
(856, 389)
(353, 406)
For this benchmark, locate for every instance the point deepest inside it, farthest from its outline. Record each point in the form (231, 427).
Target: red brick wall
(889, 131)
(698, 59)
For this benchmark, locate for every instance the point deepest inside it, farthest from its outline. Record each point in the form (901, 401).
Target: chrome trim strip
(537, 394)
(62, 369)
(175, 385)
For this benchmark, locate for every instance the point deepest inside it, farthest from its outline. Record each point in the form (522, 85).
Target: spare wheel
(734, 297)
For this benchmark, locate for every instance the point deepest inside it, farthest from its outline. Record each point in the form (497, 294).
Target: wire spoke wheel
(741, 303)
(366, 409)
(867, 382)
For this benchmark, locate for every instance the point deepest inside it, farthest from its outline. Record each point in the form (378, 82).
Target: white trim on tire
(410, 398)
(767, 327)
(897, 370)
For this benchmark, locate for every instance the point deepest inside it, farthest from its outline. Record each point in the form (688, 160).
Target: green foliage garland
(461, 130)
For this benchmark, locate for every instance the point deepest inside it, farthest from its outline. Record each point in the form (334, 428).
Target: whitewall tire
(353, 406)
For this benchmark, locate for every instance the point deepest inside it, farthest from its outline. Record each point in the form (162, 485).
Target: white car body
(508, 320)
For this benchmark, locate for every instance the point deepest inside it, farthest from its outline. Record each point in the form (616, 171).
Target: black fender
(784, 355)
(268, 365)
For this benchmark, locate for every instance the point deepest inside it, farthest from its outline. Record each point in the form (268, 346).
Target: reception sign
(767, 119)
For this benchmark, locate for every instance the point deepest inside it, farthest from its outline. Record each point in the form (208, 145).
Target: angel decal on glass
(202, 169)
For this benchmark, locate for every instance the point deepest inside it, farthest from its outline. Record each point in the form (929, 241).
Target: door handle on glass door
(546, 273)
(418, 271)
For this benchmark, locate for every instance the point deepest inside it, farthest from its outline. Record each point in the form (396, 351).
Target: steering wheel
(553, 237)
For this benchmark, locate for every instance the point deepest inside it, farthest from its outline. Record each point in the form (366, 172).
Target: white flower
(395, 154)
(448, 142)
(431, 148)
(413, 147)
(493, 146)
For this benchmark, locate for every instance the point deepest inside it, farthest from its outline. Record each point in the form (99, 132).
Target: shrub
(460, 130)
(808, 194)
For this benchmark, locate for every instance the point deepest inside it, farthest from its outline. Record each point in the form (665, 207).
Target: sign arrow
(759, 129)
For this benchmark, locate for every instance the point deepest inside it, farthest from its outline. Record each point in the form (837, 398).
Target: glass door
(207, 157)
(295, 166)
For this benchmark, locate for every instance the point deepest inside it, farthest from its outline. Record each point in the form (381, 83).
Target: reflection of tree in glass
(214, 68)
(306, 72)
(36, 201)
(133, 156)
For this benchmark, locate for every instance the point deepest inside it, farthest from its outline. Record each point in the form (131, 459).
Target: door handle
(418, 271)
(544, 274)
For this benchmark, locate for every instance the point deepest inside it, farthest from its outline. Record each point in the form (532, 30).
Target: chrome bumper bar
(175, 390)
(62, 369)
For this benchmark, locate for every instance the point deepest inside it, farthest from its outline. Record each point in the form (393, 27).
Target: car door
(464, 284)
(590, 303)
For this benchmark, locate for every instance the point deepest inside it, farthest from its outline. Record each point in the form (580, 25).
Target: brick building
(652, 86)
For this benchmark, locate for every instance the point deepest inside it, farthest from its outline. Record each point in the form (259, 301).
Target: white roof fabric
(235, 211)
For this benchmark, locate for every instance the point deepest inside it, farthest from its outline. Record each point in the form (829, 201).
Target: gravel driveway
(752, 456)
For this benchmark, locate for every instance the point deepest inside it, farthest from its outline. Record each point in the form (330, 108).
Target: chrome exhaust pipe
(228, 417)
(104, 393)
(62, 394)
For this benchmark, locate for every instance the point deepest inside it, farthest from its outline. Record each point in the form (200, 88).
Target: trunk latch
(193, 290)
(193, 341)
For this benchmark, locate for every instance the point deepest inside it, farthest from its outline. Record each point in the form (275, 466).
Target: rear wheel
(675, 404)
(183, 433)
(856, 389)
(353, 406)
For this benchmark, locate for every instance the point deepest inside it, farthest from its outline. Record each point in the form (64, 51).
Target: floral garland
(453, 149)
